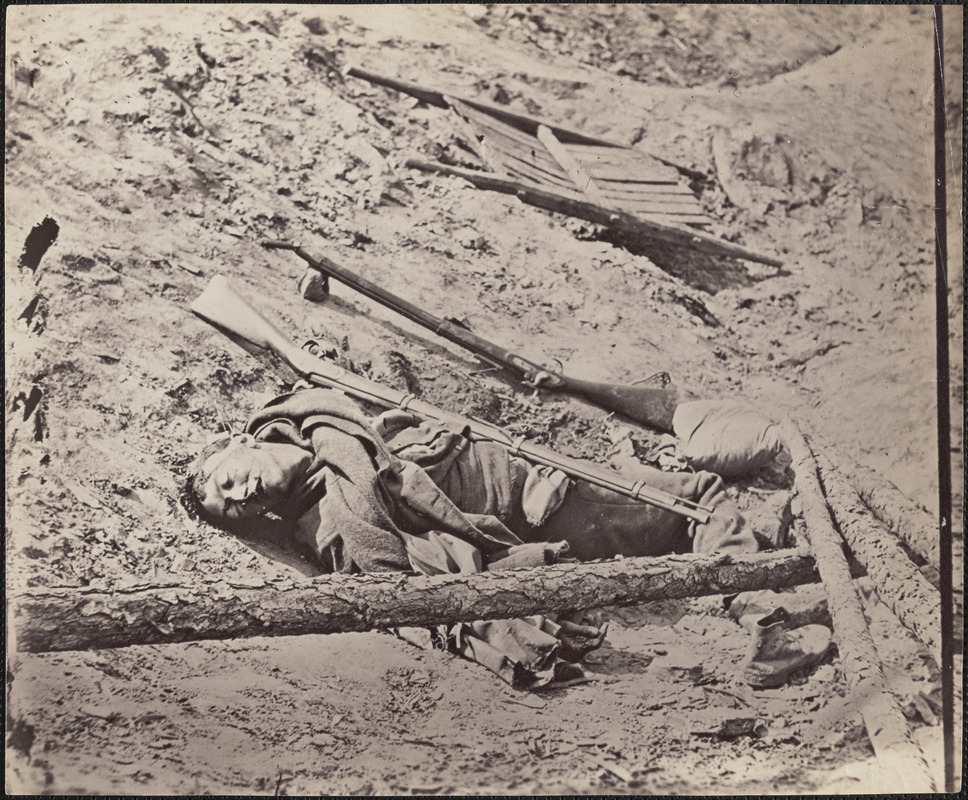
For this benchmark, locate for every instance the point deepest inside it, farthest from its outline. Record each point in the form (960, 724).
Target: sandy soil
(167, 141)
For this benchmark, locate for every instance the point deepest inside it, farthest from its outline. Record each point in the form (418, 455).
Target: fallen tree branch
(907, 520)
(87, 618)
(900, 758)
(898, 583)
(574, 205)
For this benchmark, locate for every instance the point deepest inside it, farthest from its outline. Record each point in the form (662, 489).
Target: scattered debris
(38, 242)
(735, 727)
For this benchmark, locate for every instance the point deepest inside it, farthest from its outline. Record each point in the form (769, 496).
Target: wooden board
(620, 178)
(521, 170)
(660, 208)
(620, 158)
(510, 140)
(663, 227)
(674, 201)
(633, 189)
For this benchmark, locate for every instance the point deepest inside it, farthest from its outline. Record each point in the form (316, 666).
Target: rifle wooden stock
(221, 306)
(649, 405)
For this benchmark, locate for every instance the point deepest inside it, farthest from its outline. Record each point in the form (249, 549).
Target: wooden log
(901, 761)
(572, 204)
(907, 520)
(89, 618)
(898, 583)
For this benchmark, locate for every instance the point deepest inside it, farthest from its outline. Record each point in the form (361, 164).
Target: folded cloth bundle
(729, 439)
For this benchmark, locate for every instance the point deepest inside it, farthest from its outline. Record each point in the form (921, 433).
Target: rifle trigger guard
(537, 378)
(635, 488)
(402, 405)
(516, 445)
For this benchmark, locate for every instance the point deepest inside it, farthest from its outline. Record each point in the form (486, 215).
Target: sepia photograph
(483, 399)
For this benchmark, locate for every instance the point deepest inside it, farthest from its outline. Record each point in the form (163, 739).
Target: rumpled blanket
(359, 498)
(370, 505)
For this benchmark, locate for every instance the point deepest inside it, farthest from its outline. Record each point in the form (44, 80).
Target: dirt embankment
(167, 145)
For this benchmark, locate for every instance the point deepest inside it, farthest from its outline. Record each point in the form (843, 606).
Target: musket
(649, 405)
(222, 307)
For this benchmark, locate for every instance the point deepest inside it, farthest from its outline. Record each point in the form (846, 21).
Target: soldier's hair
(195, 481)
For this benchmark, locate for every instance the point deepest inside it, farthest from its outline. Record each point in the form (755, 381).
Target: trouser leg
(600, 523)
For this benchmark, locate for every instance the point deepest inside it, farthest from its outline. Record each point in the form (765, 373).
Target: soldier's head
(238, 477)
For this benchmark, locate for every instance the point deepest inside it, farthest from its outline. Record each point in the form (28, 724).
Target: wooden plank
(536, 158)
(608, 152)
(522, 172)
(523, 156)
(579, 177)
(513, 153)
(632, 171)
(604, 147)
(534, 172)
(659, 208)
(674, 220)
(618, 157)
(465, 128)
(677, 201)
(630, 160)
(572, 204)
(670, 219)
(492, 125)
(518, 153)
(676, 217)
(524, 148)
(528, 125)
(632, 189)
(630, 174)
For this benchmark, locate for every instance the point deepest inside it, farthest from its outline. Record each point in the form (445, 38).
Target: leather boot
(805, 605)
(776, 651)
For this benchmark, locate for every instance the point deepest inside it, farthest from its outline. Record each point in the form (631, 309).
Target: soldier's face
(249, 478)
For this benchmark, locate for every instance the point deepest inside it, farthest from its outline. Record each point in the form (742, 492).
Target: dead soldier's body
(399, 494)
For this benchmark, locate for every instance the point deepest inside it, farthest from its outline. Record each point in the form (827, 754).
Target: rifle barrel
(649, 405)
